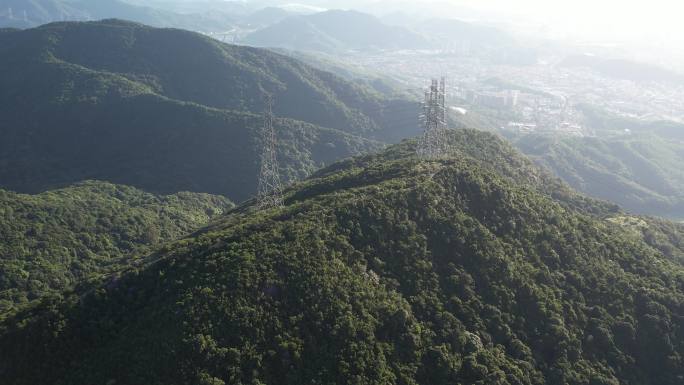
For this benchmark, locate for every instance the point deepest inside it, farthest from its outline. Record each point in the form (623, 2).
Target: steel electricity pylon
(433, 142)
(270, 190)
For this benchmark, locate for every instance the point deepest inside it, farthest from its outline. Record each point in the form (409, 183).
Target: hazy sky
(626, 19)
(603, 19)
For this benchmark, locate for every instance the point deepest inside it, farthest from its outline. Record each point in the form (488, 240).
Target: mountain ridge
(32, 13)
(382, 271)
(640, 171)
(329, 32)
(69, 112)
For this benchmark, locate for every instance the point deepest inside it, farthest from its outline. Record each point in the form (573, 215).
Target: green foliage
(663, 235)
(167, 110)
(384, 269)
(54, 240)
(640, 172)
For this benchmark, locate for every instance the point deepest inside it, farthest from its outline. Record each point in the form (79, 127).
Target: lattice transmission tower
(433, 142)
(270, 190)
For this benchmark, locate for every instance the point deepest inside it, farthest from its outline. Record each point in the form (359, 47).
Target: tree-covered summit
(381, 270)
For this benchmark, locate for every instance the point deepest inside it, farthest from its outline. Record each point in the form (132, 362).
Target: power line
(270, 190)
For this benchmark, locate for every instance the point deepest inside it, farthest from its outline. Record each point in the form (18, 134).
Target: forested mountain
(635, 163)
(32, 13)
(641, 172)
(472, 269)
(336, 30)
(169, 110)
(374, 79)
(59, 238)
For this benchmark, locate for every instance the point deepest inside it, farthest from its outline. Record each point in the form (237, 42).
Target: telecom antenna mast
(270, 191)
(433, 142)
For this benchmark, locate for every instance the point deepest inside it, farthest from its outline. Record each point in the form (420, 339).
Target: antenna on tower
(270, 191)
(433, 142)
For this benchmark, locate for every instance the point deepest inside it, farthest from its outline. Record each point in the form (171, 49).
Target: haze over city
(341, 192)
(647, 30)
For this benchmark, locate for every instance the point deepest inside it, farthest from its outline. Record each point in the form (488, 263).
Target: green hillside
(54, 240)
(641, 173)
(186, 66)
(380, 270)
(167, 110)
(295, 33)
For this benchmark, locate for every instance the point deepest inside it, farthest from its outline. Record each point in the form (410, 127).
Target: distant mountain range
(233, 7)
(32, 13)
(332, 31)
(170, 110)
(336, 30)
(641, 172)
(266, 16)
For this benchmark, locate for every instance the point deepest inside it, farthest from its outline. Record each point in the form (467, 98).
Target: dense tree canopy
(387, 269)
(169, 110)
(640, 172)
(54, 240)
